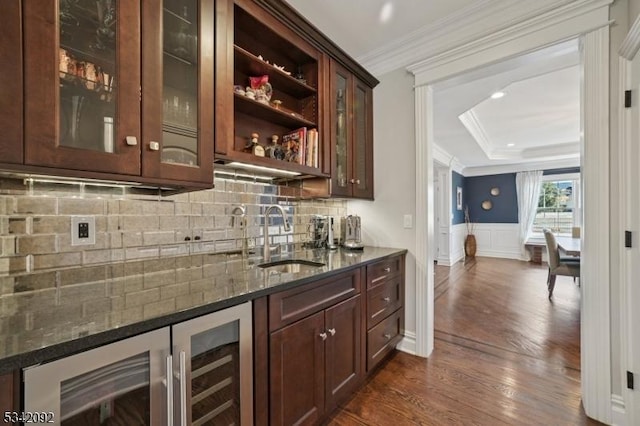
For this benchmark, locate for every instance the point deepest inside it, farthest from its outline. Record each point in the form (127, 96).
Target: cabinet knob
(353, 181)
(357, 181)
(387, 269)
(386, 299)
(131, 140)
(332, 331)
(323, 336)
(154, 146)
(387, 336)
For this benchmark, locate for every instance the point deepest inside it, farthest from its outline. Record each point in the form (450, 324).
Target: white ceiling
(539, 113)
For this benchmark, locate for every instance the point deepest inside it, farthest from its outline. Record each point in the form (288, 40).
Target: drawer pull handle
(332, 331)
(386, 299)
(323, 336)
(387, 269)
(387, 336)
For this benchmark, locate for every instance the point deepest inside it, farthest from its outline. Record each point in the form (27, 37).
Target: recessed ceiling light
(511, 144)
(497, 95)
(386, 12)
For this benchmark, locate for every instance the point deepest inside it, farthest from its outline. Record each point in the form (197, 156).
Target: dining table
(569, 245)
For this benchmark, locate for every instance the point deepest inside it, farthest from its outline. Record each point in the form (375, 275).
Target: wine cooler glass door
(213, 363)
(121, 383)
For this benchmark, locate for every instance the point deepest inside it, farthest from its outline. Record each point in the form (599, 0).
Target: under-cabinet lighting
(263, 169)
(497, 95)
(241, 175)
(511, 144)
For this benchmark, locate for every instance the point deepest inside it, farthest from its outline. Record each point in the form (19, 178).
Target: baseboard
(500, 254)
(408, 343)
(618, 411)
(443, 262)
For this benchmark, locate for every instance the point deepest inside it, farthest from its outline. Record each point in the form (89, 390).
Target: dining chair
(568, 266)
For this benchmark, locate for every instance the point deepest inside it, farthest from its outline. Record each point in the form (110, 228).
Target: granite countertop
(57, 313)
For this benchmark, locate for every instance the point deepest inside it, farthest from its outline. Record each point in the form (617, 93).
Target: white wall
(394, 179)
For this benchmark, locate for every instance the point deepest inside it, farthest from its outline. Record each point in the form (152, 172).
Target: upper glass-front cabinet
(177, 89)
(351, 135)
(89, 108)
(82, 85)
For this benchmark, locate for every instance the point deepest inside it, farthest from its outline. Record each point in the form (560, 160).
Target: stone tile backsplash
(35, 223)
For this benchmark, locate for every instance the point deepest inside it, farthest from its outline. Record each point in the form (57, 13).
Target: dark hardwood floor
(504, 355)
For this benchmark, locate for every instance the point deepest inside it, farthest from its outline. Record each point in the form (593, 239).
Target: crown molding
(521, 167)
(480, 20)
(631, 42)
(443, 157)
(566, 20)
(471, 122)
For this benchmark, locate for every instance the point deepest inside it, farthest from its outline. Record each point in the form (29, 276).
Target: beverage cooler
(198, 372)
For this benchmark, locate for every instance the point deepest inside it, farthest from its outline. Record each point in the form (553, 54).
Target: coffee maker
(351, 232)
(321, 230)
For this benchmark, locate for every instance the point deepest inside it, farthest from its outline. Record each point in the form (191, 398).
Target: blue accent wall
(457, 180)
(505, 205)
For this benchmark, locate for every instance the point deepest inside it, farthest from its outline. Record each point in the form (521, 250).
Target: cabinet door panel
(362, 141)
(11, 148)
(297, 368)
(343, 357)
(82, 84)
(177, 90)
(340, 136)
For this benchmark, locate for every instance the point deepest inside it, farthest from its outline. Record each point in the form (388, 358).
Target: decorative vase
(470, 246)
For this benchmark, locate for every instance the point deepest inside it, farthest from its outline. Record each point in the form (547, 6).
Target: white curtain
(528, 192)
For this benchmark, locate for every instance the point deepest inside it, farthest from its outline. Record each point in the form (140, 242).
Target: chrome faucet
(287, 227)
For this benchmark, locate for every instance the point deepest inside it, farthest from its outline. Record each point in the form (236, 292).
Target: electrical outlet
(83, 230)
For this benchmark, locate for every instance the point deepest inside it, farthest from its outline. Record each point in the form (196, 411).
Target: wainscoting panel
(497, 240)
(458, 233)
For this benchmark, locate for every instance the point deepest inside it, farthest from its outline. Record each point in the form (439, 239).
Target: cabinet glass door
(177, 89)
(87, 74)
(180, 82)
(213, 361)
(82, 97)
(363, 141)
(340, 118)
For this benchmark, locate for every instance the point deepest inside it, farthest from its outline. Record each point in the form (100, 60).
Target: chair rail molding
(588, 20)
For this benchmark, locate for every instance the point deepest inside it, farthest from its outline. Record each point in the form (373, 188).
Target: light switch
(408, 221)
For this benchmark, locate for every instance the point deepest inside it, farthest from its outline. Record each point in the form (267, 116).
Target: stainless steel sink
(291, 266)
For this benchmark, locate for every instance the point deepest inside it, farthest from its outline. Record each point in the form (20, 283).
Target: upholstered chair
(568, 266)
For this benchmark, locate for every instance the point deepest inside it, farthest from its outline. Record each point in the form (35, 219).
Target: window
(558, 204)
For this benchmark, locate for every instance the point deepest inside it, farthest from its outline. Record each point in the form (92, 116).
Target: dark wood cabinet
(297, 373)
(120, 90)
(351, 134)
(316, 358)
(385, 308)
(11, 95)
(343, 371)
(9, 392)
(350, 130)
(289, 98)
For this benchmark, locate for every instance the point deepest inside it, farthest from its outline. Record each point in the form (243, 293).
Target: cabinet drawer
(384, 299)
(383, 338)
(291, 305)
(379, 271)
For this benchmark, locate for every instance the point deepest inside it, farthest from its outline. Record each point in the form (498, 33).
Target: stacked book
(301, 146)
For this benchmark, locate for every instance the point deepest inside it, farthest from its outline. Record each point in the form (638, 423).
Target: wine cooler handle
(169, 383)
(183, 388)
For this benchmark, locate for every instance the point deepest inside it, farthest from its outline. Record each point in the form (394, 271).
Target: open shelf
(267, 112)
(252, 65)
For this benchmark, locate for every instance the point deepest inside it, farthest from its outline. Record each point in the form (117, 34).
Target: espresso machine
(321, 232)
(351, 232)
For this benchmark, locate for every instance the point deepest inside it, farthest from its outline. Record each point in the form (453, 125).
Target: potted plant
(470, 239)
